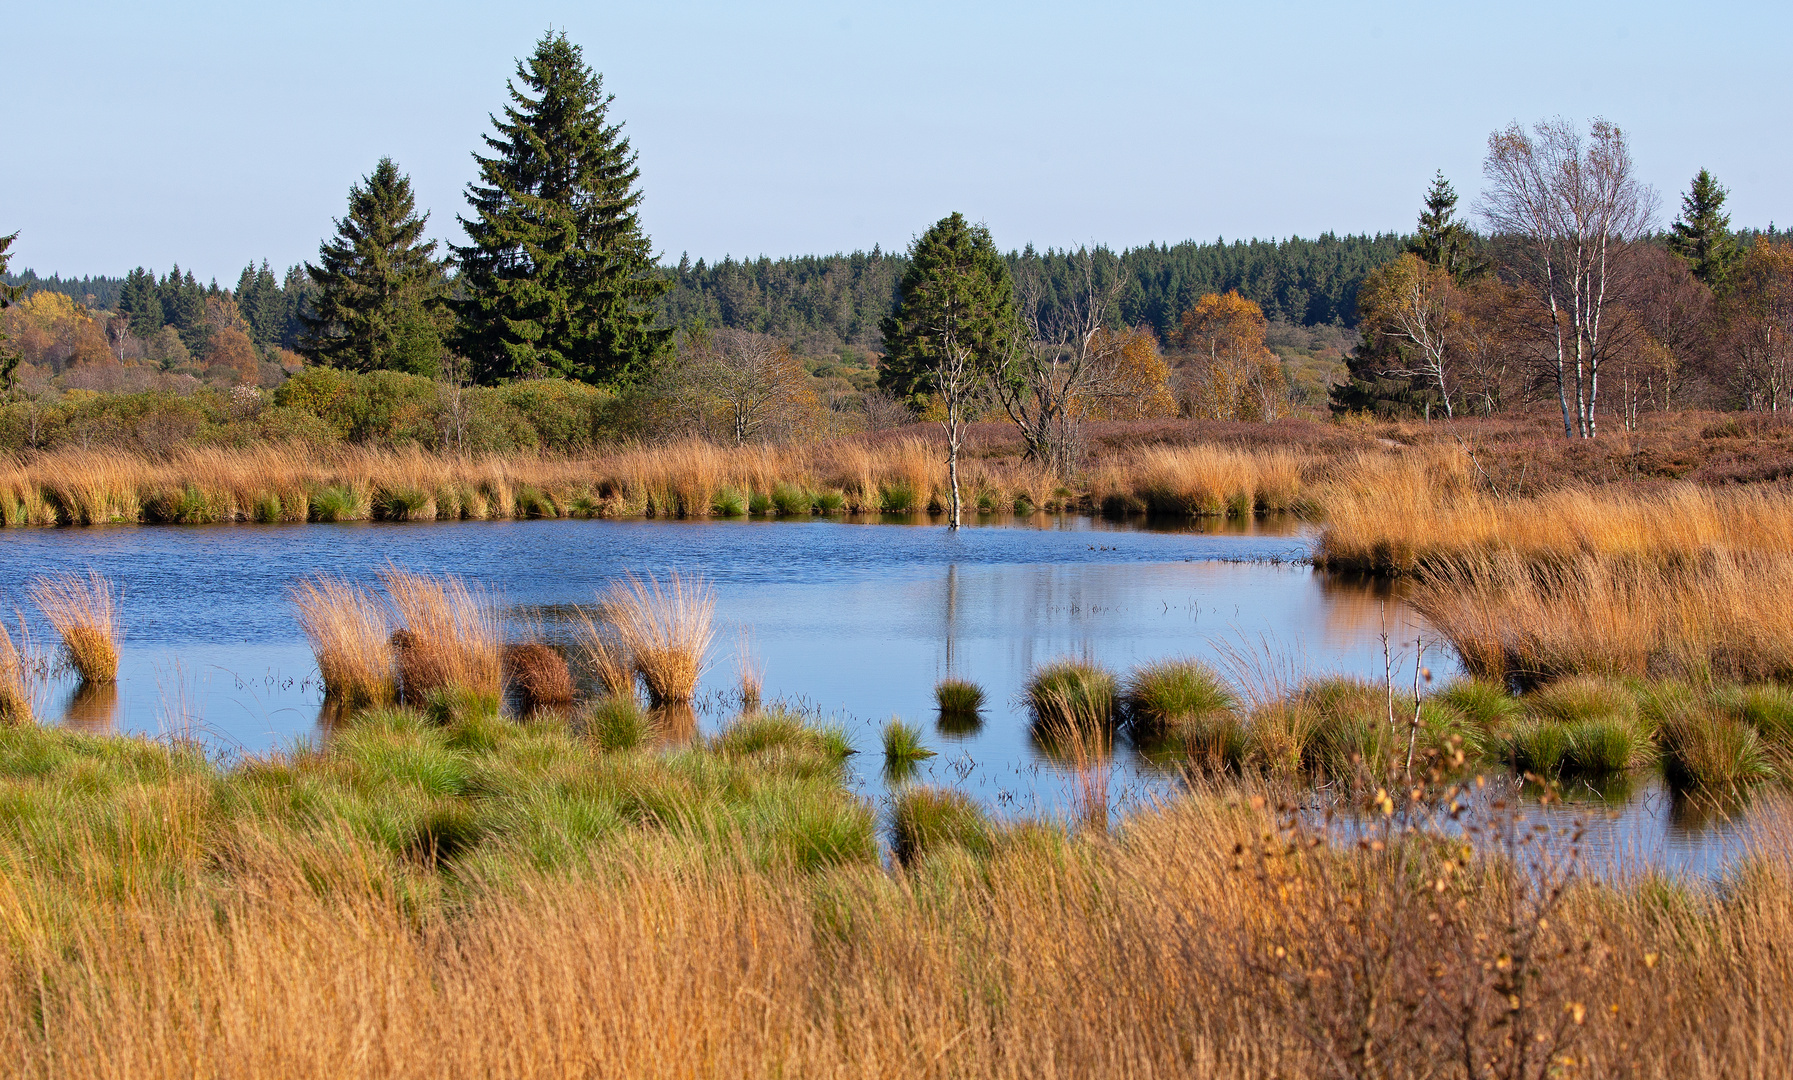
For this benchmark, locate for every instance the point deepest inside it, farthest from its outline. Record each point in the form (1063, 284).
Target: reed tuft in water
(15, 694)
(958, 698)
(349, 630)
(539, 676)
(82, 610)
(665, 630)
(449, 636)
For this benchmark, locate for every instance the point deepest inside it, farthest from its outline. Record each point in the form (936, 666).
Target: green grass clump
(403, 504)
(831, 502)
(1538, 747)
(1710, 750)
(617, 722)
(1170, 693)
(1076, 693)
(759, 504)
(958, 697)
(266, 510)
(1767, 708)
(791, 501)
(336, 504)
(728, 503)
(534, 503)
(778, 736)
(928, 819)
(1486, 705)
(897, 498)
(903, 748)
(1350, 735)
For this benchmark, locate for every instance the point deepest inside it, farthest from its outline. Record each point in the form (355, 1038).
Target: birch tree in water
(1574, 206)
(955, 315)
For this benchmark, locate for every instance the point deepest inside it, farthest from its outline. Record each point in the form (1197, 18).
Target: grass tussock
(463, 901)
(1076, 693)
(958, 698)
(448, 636)
(83, 611)
(539, 676)
(903, 747)
(350, 631)
(665, 630)
(15, 687)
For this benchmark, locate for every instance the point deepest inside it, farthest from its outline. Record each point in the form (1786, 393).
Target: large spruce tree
(1702, 235)
(378, 303)
(1441, 239)
(558, 278)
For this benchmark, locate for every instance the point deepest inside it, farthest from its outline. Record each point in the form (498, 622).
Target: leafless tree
(1064, 360)
(1575, 205)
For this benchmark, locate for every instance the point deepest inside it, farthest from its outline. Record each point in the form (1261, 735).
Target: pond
(852, 621)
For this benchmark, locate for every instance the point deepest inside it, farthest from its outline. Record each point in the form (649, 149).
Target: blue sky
(213, 134)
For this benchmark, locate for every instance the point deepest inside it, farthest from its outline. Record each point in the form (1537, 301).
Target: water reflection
(92, 708)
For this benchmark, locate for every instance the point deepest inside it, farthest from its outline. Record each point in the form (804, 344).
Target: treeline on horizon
(824, 300)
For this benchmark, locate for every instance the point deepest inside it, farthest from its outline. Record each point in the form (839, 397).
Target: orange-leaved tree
(1232, 374)
(1757, 321)
(1131, 381)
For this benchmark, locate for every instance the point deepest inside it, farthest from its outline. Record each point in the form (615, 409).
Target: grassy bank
(693, 479)
(474, 897)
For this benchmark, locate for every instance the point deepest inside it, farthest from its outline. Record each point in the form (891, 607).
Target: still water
(850, 621)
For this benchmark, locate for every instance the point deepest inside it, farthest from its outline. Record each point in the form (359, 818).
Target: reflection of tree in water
(92, 708)
(1356, 603)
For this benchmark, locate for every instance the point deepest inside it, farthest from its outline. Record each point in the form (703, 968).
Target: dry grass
(665, 630)
(539, 675)
(84, 615)
(1723, 614)
(273, 483)
(1187, 946)
(604, 653)
(448, 637)
(349, 631)
(15, 694)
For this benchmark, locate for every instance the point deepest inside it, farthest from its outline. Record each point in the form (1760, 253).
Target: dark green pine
(1702, 235)
(955, 275)
(9, 358)
(139, 301)
(378, 293)
(558, 278)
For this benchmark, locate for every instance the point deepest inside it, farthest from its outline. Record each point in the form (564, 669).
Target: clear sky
(211, 134)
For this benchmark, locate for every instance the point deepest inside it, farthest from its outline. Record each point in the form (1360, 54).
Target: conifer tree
(379, 289)
(1441, 239)
(558, 278)
(262, 305)
(140, 301)
(183, 307)
(1702, 235)
(9, 357)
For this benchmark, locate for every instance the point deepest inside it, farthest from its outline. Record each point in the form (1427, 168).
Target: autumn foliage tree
(1415, 309)
(747, 381)
(1756, 326)
(1230, 374)
(1132, 379)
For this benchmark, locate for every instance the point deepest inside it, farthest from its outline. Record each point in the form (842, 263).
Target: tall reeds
(664, 628)
(448, 636)
(350, 631)
(82, 610)
(15, 692)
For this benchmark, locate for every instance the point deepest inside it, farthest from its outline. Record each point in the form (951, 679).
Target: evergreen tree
(1441, 239)
(955, 316)
(296, 292)
(183, 307)
(1702, 235)
(140, 301)
(262, 305)
(559, 277)
(378, 304)
(9, 357)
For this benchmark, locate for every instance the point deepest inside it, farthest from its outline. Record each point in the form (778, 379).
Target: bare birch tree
(1416, 304)
(1573, 204)
(1060, 361)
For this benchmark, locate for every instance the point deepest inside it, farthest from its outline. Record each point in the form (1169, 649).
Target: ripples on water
(850, 620)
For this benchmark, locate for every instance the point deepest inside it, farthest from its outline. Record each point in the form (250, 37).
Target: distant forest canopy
(841, 298)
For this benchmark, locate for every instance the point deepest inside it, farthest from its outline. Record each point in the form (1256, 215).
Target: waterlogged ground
(853, 621)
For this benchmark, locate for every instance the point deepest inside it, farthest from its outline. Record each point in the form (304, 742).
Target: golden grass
(604, 653)
(15, 695)
(449, 637)
(1724, 614)
(681, 479)
(1193, 943)
(349, 630)
(665, 630)
(84, 615)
